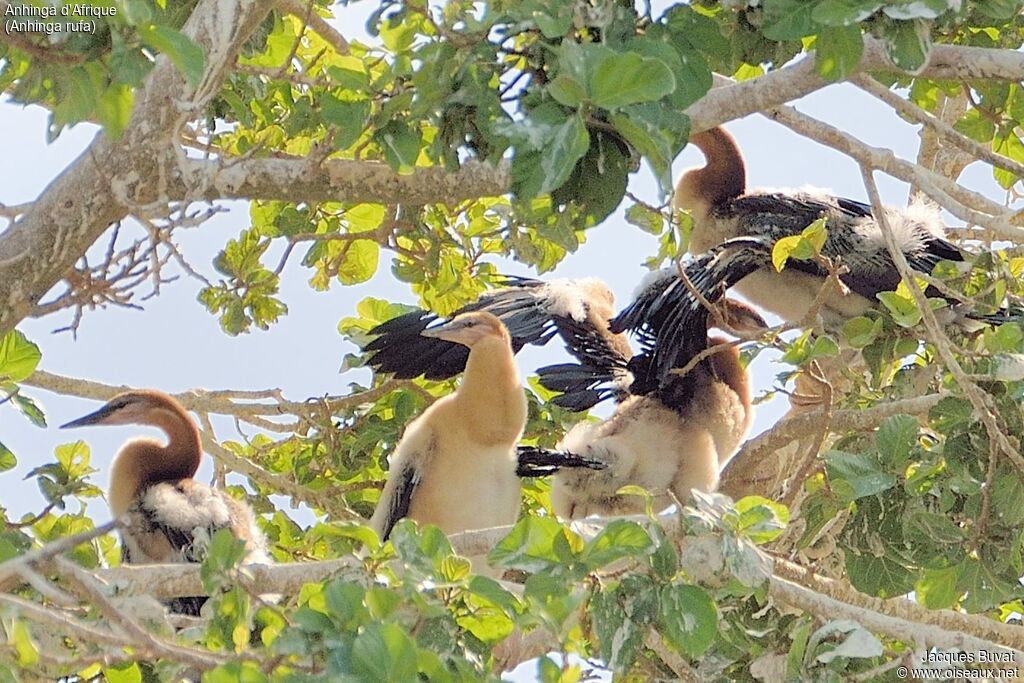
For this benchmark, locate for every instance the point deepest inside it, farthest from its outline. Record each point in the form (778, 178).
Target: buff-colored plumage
(455, 465)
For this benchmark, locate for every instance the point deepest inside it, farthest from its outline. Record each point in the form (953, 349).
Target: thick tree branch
(301, 180)
(954, 62)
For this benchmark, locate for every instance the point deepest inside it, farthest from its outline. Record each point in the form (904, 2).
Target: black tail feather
(535, 461)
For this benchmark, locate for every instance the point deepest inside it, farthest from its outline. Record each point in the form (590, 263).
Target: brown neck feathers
(722, 178)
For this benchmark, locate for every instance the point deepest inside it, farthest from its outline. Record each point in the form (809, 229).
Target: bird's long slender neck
(143, 462)
(490, 393)
(723, 177)
(725, 364)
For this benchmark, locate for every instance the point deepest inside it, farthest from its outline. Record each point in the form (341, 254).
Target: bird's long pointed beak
(441, 331)
(92, 418)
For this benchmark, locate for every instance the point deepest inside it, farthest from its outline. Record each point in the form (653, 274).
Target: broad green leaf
(647, 220)
(349, 118)
(530, 545)
(844, 12)
(401, 145)
(360, 264)
(383, 652)
(1003, 339)
(629, 78)
(908, 44)
(114, 109)
(618, 540)
(123, 673)
(903, 309)
(29, 408)
(688, 619)
(880, 576)
(936, 588)
(18, 357)
(861, 331)
(24, 647)
(788, 19)
(761, 520)
(838, 51)
(860, 473)
(567, 90)
(896, 438)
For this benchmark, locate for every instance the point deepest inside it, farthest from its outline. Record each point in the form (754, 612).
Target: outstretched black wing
(671, 321)
(533, 312)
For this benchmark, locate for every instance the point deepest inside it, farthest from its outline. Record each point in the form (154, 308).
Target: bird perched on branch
(722, 209)
(455, 465)
(670, 432)
(170, 517)
(533, 312)
(665, 433)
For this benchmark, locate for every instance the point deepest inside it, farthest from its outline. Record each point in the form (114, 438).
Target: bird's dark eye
(470, 323)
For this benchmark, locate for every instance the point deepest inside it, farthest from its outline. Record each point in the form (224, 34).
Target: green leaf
(123, 673)
(861, 331)
(185, 54)
(555, 143)
(859, 473)
(936, 588)
(838, 51)
(567, 90)
(401, 145)
(618, 540)
(688, 619)
(383, 652)
(18, 357)
(629, 78)
(788, 19)
(1008, 499)
(529, 546)
(984, 587)
(646, 219)
(844, 12)
(349, 118)
(802, 247)
(903, 309)
(29, 408)
(621, 618)
(878, 575)
(360, 262)
(908, 44)
(1003, 339)
(761, 520)
(7, 459)
(114, 109)
(24, 647)
(658, 134)
(896, 439)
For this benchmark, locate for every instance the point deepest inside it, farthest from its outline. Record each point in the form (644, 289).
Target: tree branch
(742, 475)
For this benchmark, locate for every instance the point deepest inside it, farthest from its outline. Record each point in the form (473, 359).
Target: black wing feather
(535, 461)
(778, 215)
(672, 323)
(531, 313)
(400, 502)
